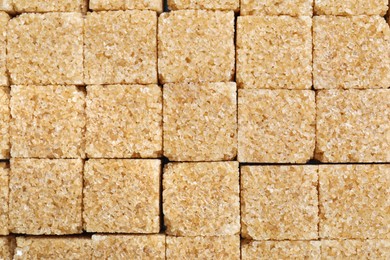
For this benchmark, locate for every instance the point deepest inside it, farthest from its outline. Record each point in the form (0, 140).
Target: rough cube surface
(98, 5)
(224, 247)
(6, 5)
(4, 177)
(281, 250)
(351, 7)
(351, 52)
(53, 248)
(276, 126)
(353, 125)
(200, 121)
(274, 52)
(5, 118)
(279, 202)
(272, 7)
(148, 247)
(354, 201)
(47, 121)
(45, 196)
(23, 6)
(121, 47)
(196, 45)
(4, 19)
(204, 4)
(355, 249)
(124, 121)
(45, 48)
(7, 245)
(201, 199)
(122, 196)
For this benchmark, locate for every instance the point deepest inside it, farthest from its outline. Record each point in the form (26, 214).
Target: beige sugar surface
(224, 247)
(200, 121)
(100, 5)
(47, 248)
(148, 247)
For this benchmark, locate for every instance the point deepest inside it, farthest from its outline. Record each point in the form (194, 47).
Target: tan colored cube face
(47, 121)
(45, 196)
(53, 248)
(4, 19)
(56, 37)
(201, 199)
(353, 126)
(147, 247)
(5, 117)
(41, 6)
(276, 126)
(124, 121)
(200, 121)
(120, 47)
(204, 4)
(4, 195)
(281, 250)
(274, 8)
(223, 247)
(354, 201)
(279, 202)
(122, 196)
(195, 46)
(7, 248)
(99, 5)
(351, 52)
(355, 249)
(274, 52)
(351, 7)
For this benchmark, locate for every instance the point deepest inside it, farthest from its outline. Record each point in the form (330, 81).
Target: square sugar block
(195, 46)
(200, 121)
(45, 196)
(45, 49)
(201, 199)
(122, 196)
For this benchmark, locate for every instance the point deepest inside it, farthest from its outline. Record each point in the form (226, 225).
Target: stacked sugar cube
(222, 129)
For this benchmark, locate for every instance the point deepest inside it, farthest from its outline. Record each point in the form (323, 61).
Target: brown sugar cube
(353, 125)
(272, 7)
(200, 121)
(124, 121)
(5, 118)
(279, 202)
(205, 4)
(196, 45)
(4, 19)
(224, 247)
(7, 246)
(201, 199)
(274, 52)
(99, 5)
(45, 49)
(276, 126)
(148, 247)
(355, 249)
(122, 196)
(47, 121)
(351, 52)
(351, 7)
(121, 47)
(4, 179)
(354, 201)
(41, 6)
(45, 196)
(53, 248)
(280, 250)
